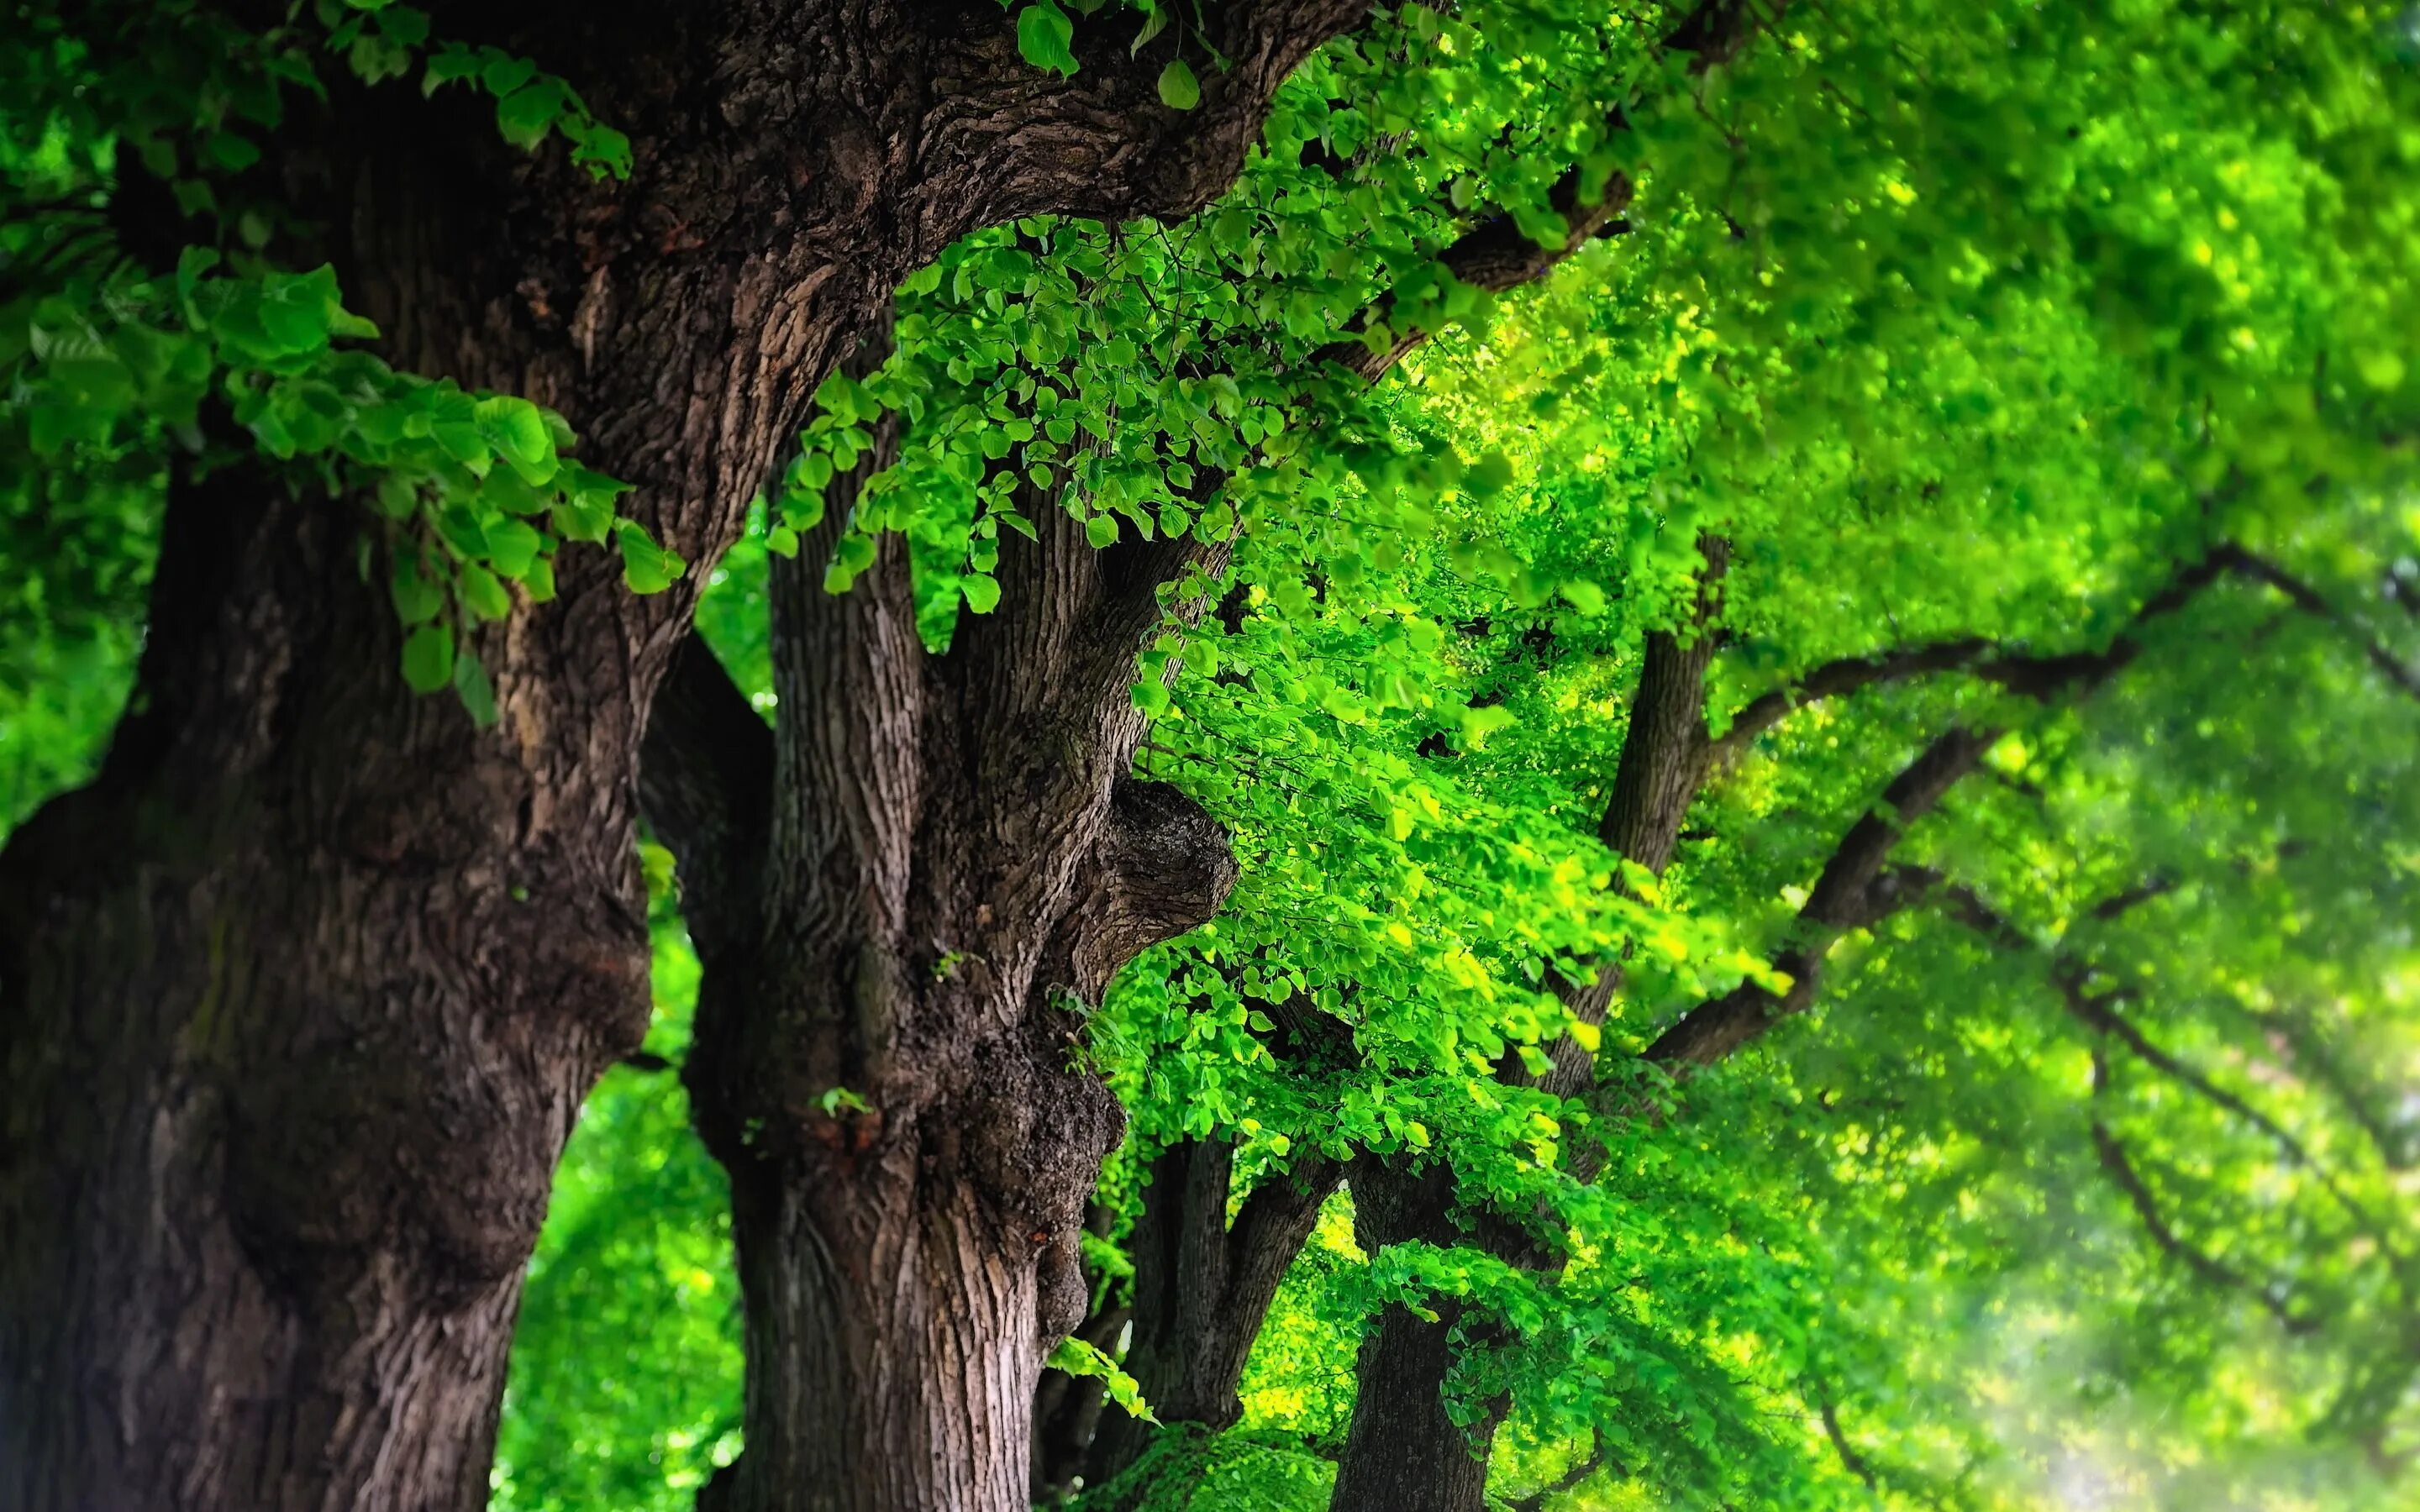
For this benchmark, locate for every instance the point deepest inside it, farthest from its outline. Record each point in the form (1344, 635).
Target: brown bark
(952, 865)
(298, 998)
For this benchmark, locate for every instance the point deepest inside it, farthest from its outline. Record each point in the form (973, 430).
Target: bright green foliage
(107, 365)
(1300, 1380)
(1189, 1468)
(625, 1386)
(1077, 1358)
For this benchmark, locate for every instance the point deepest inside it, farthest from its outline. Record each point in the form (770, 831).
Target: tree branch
(2311, 601)
(2211, 1270)
(1001, 139)
(1853, 892)
(1662, 766)
(1836, 679)
(1588, 1464)
(1851, 1460)
(2098, 1012)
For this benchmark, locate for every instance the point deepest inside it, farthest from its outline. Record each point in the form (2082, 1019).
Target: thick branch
(1838, 679)
(2039, 677)
(1853, 892)
(1161, 866)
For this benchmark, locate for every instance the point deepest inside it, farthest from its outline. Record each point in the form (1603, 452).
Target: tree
(303, 988)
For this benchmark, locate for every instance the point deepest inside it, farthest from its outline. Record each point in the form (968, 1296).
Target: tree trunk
(299, 996)
(1203, 1288)
(900, 941)
(1403, 1452)
(892, 1347)
(297, 1001)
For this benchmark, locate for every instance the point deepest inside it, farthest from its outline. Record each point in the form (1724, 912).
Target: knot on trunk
(1160, 867)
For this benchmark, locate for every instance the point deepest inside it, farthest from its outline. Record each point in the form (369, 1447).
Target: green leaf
(1583, 596)
(1155, 22)
(472, 686)
(525, 115)
(429, 658)
(1491, 474)
(504, 73)
(646, 568)
(516, 428)
(1178, 88)
(1077, 1358)
(483, 594)
(1045, 35)
(983, 593)
(512, 546)
(1102, 531)
(417, 598)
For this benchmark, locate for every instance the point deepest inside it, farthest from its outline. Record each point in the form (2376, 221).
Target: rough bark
(298, 996)
(888, 1056)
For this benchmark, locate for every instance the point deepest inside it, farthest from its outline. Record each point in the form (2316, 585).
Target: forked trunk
(1202, 1288)
(906, 896)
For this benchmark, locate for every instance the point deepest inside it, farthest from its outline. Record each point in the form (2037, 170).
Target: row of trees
(1469, 562)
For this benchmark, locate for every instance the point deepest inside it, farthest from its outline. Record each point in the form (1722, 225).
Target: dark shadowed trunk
(298, 998)
(1202, 1288)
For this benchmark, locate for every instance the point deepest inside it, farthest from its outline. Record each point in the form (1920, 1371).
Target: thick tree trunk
(890, 1350)
(900, 940)
(300, 998)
